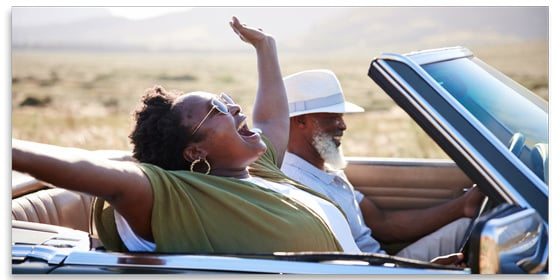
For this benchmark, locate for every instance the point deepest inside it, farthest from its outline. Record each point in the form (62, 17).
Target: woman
(205, 182)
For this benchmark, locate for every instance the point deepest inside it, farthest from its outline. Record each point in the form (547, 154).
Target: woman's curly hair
(158, 136)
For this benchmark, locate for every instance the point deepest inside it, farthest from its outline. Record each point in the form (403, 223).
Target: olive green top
(197, 213)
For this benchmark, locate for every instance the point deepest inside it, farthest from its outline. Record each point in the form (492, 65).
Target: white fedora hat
(316, 91)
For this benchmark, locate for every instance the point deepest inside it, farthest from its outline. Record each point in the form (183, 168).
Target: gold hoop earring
(205, 161)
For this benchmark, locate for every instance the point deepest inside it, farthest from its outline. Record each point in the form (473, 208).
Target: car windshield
(516, 116)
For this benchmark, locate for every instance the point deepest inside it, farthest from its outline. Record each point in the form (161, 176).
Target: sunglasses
(218, 105)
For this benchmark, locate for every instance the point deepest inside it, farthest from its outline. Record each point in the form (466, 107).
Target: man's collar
(301, 164)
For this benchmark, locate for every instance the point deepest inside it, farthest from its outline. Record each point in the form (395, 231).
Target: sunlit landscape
(78, 73)
(85, 99)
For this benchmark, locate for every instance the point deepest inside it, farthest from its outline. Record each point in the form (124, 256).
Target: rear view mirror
(509, 239)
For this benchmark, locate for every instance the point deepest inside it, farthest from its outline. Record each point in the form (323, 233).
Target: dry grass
(85, 99)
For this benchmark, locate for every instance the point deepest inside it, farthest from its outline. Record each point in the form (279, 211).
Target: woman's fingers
(248, 34)
(236, 30)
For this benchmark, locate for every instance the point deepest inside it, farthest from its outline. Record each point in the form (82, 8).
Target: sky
(136, 13)
(315, 28)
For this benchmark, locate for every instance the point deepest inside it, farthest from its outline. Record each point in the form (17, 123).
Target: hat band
(316, 103)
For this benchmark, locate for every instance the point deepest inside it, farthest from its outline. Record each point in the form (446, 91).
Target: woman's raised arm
(270, 111)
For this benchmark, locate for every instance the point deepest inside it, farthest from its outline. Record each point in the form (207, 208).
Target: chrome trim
(49, 254)
(432, 55)
(236, 264)
(513, 193)
(530, 266)
(53, 250)
(408, 162)
(438, 55)
(20, 252)
(393, 78)
(530, 228)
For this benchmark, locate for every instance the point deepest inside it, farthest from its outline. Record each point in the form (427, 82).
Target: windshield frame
(497, 101)
(495, 166)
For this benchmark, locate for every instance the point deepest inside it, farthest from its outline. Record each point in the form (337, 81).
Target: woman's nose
(234, 109)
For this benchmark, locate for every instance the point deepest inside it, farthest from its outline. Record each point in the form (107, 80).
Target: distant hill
(37, 16)
(424, 27)
(296, 28)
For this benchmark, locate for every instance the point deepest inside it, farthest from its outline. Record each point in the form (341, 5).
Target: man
(314, 158)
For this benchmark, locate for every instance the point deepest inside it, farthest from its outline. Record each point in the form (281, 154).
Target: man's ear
(299, 121)
(194, 152)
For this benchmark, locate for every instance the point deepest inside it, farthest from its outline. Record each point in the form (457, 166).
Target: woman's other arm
(121, 183)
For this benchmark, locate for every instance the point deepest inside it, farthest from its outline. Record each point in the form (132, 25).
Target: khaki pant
(444, 241)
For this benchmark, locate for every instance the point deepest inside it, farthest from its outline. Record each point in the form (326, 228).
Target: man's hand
(471, 201)
(456, 259)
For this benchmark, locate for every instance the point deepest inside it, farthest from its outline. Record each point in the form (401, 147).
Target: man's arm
(410, 225)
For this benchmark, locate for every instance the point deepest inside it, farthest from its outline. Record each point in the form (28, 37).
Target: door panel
(394, 184)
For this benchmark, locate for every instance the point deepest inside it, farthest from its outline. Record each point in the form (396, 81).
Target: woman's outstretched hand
(251, 35)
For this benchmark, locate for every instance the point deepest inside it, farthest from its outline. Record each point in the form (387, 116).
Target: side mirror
(509, 239)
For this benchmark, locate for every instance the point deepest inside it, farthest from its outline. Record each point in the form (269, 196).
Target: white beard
(327, 149)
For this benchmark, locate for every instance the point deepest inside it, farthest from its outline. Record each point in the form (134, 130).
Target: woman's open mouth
(246, 133)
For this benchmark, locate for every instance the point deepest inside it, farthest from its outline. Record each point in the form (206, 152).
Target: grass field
(85, 99)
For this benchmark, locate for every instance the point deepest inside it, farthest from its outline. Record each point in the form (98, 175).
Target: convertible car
(494, 131)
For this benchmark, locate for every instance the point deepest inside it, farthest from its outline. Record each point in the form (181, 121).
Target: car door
(399, 184)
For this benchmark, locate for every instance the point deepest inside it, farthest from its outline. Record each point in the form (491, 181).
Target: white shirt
(335, 185)
(329, 213)
(133, 242)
